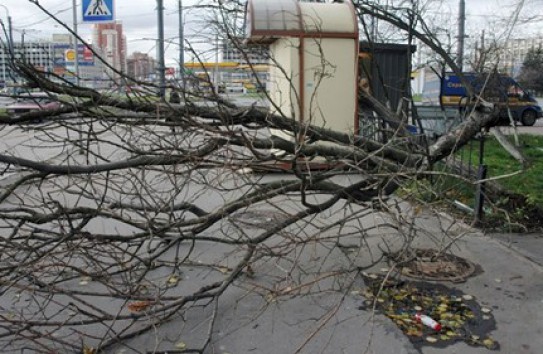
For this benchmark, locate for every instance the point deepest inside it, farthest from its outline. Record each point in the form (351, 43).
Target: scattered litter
(428, 322)
(430, 313)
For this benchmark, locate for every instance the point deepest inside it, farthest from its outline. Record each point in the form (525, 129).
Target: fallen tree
(117, 201)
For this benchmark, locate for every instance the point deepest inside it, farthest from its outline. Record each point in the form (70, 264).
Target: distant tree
(531, 73)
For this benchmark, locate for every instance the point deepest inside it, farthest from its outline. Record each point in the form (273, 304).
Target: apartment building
(38, 54)
(111, 41)
(514, 52)
(141, 66)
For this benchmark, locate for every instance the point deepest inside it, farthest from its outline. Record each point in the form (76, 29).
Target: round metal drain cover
(430, 264)
(259, 219)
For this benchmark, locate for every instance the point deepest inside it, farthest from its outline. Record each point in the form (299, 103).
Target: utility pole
(461, 34)
(76, 46)
(160, 54)
(10, 30)
(216, 69)
(181, 43)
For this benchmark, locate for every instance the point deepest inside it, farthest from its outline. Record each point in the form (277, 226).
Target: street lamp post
(181, 43)
(160, 51)
(76, 46)
(461, 34)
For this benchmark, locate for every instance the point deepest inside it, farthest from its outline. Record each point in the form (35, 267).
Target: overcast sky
(139, 20)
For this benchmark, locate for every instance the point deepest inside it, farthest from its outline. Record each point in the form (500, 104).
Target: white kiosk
(314, 59)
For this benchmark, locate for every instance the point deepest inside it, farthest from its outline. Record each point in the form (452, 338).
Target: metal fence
(430, 122)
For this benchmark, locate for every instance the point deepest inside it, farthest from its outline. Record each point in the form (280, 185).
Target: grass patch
(513, 203)
(528, 183)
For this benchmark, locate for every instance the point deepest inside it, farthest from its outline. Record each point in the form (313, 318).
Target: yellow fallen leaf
(431, 339)
(223, 270)
(173, 279)
(138, 306)
(88, 350)
(180, 345)
(414, 331)
(489, 343)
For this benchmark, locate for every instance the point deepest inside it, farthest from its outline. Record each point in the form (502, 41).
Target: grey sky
(139, 19)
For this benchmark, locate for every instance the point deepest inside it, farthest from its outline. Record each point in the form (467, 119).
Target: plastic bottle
(428, 321)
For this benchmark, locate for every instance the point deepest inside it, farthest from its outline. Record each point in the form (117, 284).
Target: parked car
(234, 87)
(33, 101)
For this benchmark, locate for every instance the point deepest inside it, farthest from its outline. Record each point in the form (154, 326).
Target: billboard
(64, 54)
(98, 11)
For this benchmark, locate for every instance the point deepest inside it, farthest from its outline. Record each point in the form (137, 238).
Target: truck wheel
(528, 118)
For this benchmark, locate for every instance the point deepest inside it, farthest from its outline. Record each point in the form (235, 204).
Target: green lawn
(522, 206)
(528, 183)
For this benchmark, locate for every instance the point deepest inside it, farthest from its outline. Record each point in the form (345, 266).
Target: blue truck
(500, 89)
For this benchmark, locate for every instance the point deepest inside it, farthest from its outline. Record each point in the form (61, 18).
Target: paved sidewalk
(331, 320)
(527, 245)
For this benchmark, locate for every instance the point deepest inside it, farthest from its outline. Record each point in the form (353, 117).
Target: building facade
(252, 62)
(90, 68)
(141, 66)
(56, 56)
(38, 54)
(514, 52)
(110, 40)
(236, 52)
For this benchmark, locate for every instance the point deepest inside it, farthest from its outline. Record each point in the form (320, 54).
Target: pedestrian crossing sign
(98, 11)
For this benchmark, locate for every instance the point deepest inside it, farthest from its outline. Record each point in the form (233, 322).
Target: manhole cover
(259, 219)
(430, 264)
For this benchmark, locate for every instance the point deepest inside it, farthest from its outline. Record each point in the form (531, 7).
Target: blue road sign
(98, 11)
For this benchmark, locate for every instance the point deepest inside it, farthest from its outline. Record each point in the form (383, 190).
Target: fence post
(480, 189)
